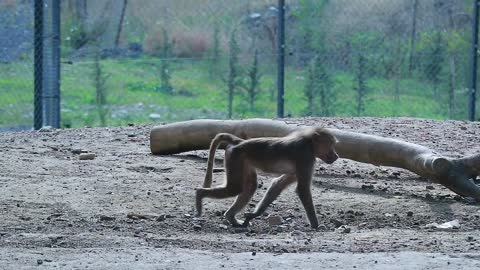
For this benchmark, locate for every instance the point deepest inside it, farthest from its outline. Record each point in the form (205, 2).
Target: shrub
(188, 45)
(184, 44)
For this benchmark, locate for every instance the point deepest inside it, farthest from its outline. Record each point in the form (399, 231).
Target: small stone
(77, 151)
(429, 187)
(392, 176)
(46, 129)
(367, 187)
(240, 229)
(454, 224)
(274, 220)
(409, 214)
(161, 218)
(223, 226)
(254, 253)
(336, 223)
(87, 156)
(154, 116)
(197, 227)
(106, 218)
(39, 262)
(343, 229)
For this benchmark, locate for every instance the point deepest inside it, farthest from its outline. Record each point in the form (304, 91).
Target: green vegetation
(369, 58)
(133, 91)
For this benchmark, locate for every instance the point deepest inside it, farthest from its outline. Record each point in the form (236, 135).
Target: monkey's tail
(220, 138)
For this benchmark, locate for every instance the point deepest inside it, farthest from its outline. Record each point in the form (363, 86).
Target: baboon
(292, 156)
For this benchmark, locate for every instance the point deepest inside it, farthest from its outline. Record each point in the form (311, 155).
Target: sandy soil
(64, 213)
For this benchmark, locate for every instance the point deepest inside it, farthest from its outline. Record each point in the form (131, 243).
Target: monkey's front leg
(305, 195)
(304, 179)
(277, 186)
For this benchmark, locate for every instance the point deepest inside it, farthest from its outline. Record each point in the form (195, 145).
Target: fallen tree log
(456, 174)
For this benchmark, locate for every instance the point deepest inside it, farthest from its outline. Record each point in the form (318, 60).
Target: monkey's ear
(322, 137)
(319, 137)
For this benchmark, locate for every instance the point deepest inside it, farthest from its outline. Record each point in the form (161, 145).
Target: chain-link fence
(169, 60)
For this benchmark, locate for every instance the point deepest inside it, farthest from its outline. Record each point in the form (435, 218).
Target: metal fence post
(281, 59)
(56, 64)
(473, 62)
(51, 65)
(38, 65)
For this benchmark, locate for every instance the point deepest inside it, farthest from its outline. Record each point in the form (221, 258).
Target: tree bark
(455, 174)
(413, 35)
(120, 24)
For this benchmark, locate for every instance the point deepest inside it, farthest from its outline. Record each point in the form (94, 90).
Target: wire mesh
(16, 65)
(170, 60)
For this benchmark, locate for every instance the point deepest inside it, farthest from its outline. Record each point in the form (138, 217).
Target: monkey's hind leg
(221, 138)
(250, 186)
(234, 182)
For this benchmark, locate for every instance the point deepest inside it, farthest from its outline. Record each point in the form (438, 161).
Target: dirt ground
(59, 212)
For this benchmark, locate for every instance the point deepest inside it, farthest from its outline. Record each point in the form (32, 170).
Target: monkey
(292, 156)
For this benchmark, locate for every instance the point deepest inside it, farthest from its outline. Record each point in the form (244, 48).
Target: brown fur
(292, 156)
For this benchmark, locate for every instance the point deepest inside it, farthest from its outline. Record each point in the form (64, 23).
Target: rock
(39, 262)
(240, 229)
(154, 116)
(77, 151)
(367, 187)
(46, 129)
(197, 227)
(343, 229)
(87, 156)
(336, 223)
(141, 216)
(409, 214)
(429, 188)
(392, 176)
(106, 218)
(274, 220)
(454, 224)
(223, 226)
(161, 218)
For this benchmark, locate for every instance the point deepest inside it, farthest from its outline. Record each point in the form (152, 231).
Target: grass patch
(135, 95)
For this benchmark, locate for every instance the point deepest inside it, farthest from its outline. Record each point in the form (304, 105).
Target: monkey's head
(324, 146)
